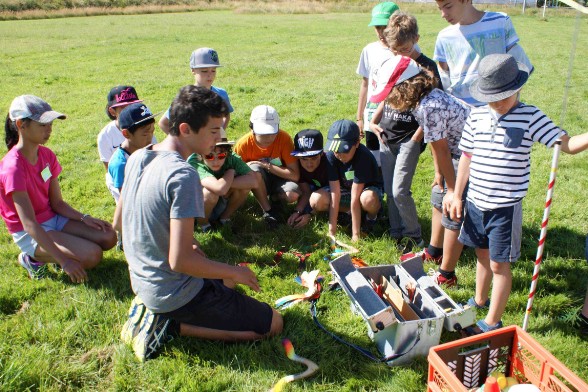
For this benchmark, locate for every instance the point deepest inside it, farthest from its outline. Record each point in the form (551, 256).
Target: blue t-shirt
(220, 91)
(116, 166)
(361, 169)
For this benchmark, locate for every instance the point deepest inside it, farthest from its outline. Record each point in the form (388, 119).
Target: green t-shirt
(232, 161)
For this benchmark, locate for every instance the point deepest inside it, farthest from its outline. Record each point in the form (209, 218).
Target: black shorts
(218, 307)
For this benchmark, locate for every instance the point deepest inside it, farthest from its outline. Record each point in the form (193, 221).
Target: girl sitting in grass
(44, 227)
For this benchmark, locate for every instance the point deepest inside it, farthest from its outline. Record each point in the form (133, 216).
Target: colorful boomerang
(307, 279)
(311, 367)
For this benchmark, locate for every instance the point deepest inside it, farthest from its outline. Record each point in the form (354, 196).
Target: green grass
(59, 336)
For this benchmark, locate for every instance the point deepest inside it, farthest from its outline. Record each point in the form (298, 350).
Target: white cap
(265, 120)
(393, 71)
(34, 108)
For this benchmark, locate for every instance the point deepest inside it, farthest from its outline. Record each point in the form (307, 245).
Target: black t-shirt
(400, 126)
(318, 178)
(362, 169)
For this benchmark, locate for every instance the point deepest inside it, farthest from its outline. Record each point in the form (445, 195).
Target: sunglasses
(220, 156)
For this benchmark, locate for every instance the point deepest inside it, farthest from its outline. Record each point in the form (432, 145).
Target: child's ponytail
(11, 137)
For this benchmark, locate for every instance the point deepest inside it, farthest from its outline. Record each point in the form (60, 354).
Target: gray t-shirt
(159, 186)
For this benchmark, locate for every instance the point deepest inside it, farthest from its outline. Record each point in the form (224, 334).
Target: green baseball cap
(381, 13)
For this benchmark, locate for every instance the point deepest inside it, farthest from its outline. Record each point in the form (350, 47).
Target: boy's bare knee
(277, 324)
(319, 202)
(109, 240)
(291, 197)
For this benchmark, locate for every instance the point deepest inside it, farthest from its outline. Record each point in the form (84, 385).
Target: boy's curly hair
(407, 95)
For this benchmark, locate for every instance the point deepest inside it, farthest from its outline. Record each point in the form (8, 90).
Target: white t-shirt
(372, 57)
(462, 48)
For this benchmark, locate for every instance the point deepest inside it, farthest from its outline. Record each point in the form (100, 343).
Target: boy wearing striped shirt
(496, 145)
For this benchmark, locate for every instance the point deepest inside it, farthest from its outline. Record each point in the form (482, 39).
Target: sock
(434, 251)
(205, 227)
(446, 274)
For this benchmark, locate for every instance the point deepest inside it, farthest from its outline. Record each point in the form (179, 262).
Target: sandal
(473, 304)
(484, 327)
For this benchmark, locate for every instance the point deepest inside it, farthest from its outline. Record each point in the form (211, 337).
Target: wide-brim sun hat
(33, 108)
(393, 71)
(224, 141)
(499, 76)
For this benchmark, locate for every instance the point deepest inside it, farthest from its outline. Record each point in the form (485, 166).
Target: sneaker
(443, 281)
(131, 327)
(270, 219)
(151, 336)
(35, 270)
(407, 244)
(207, 228)
(487, 328)
(473, 304)
(428, 258)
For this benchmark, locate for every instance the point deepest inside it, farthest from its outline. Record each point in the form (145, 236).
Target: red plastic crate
(464, 364)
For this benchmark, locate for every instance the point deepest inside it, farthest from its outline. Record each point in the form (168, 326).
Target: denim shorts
(219, 208)
(499, 230)
(27, 244)
(218, 307)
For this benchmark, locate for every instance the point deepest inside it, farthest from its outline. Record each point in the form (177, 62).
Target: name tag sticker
(46, 173)
(276, 161)
(349, 175)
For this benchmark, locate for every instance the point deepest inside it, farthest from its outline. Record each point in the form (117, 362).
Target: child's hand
(96, 223)
(247, 277)
(447, 200)
(74, 270)
(438, 180)
(297, 220)
(456, 208)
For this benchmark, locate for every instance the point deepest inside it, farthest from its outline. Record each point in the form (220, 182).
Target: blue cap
(342, 135)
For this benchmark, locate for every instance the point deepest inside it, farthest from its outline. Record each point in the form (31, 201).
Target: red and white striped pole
(543, 234)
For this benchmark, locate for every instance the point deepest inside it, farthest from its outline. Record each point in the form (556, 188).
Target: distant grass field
(57, 336)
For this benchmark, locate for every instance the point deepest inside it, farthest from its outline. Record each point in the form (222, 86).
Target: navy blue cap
(134, 116)
(342, 135)
(308, 142)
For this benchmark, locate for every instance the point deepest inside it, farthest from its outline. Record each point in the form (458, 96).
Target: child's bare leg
(483, 276)
(86, 252)
(289, 197)
(104, 239)
(370, 203)
(320, 200)
(232, 336)
(210, 200)
(260, 193)
(501, 286)
(451, 250)
(437, 229)
(236, 199)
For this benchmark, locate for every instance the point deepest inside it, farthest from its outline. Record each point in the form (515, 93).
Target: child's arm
(334, 208)
(289, 172)
(117, 218)
(164, 124)
(361, 102)
(221, 185)
(227, 119)
(62, 208)
(463, 175)
(575, 144)
(245, 181)
(26, 214)
(184, 259)
(375, 121)
(442, 158)
(418, 135)
(355, 208)
(301, 216)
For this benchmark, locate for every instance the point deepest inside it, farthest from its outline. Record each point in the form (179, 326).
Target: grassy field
(59, 336)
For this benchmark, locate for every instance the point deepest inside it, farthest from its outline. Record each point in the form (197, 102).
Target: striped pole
(543, 234)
